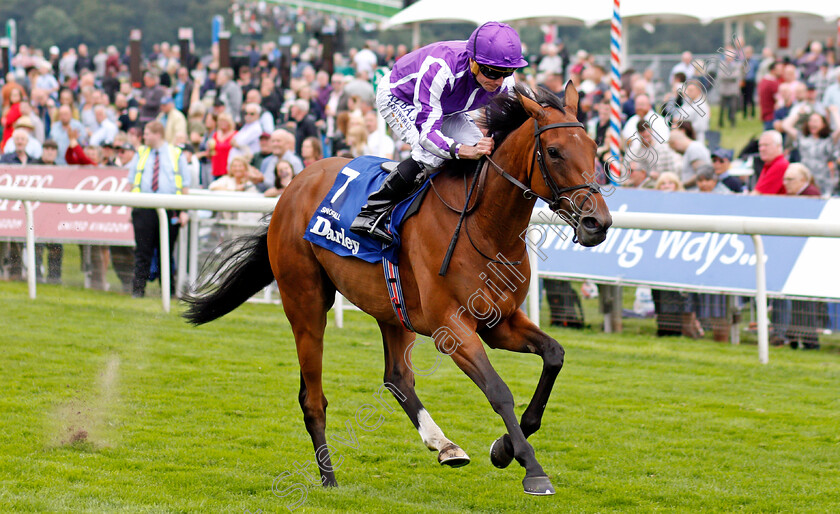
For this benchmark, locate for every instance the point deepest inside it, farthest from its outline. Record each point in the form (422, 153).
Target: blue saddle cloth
(330, 225)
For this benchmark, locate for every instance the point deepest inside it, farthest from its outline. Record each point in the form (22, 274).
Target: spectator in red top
(221, 143)
(767, 89)
(770, 151)
(75, 154)
(10, 115)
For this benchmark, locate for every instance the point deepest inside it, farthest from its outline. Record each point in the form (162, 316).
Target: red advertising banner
(67, 222)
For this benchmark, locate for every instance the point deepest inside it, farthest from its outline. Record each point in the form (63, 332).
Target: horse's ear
(533, 109)
(571, 98)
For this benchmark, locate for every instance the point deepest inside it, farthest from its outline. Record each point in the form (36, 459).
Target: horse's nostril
(590, 224)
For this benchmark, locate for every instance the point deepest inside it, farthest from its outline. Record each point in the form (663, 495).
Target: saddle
(329, 226)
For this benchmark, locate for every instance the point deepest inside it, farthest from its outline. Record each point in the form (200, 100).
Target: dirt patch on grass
(85, 423)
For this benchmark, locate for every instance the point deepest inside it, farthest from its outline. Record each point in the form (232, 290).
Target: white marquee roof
(593, 12)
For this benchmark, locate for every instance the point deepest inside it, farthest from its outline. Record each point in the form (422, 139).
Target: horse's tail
(238, 269)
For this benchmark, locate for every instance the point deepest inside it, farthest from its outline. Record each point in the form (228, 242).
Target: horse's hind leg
(399, 379)
(306, 299)
(519, 334)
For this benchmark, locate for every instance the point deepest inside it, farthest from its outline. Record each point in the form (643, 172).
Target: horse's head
(565, 156)
(557, 155)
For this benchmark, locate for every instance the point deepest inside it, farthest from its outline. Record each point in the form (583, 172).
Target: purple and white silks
(433, 88)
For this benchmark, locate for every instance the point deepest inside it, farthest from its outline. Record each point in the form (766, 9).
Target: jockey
(425, 100)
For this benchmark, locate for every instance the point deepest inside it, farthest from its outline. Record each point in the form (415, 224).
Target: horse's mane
(505, 113)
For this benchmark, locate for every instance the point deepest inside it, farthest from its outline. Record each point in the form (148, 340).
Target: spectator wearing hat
(775, 164)
(109, 154)
(125, 153)
(721, 162)
(33, 146)
(38, 129)
(174, 122)
(265, 150)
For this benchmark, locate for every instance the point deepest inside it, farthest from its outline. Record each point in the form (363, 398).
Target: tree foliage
(50, 25)
(100, 23)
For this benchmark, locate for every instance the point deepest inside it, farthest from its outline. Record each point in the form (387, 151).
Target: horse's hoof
(501, 452)
(453, 456)
(538, 486)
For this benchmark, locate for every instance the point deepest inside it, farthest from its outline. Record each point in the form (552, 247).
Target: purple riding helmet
(496, 44)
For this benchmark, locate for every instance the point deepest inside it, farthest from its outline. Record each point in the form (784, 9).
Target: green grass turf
(110, 405)
(736, 137)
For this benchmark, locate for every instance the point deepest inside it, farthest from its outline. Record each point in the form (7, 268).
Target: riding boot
(397, 186)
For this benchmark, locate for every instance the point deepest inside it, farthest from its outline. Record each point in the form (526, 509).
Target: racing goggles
(495, 73)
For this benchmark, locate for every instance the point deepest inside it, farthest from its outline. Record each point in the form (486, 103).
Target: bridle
(557, 192)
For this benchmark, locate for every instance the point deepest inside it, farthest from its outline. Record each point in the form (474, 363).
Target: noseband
(557, 192)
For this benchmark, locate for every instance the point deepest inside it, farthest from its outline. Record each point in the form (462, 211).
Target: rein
(557, 192)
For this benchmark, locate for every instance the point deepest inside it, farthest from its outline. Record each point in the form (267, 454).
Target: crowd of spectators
(248, 130)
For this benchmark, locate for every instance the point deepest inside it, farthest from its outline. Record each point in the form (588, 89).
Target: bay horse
(533, 130)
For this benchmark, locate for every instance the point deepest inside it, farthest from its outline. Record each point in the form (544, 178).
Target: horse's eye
(554, 153)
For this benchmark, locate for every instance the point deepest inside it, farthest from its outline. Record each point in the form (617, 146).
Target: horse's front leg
(399, 379)
(468, 354)
(519, 334)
